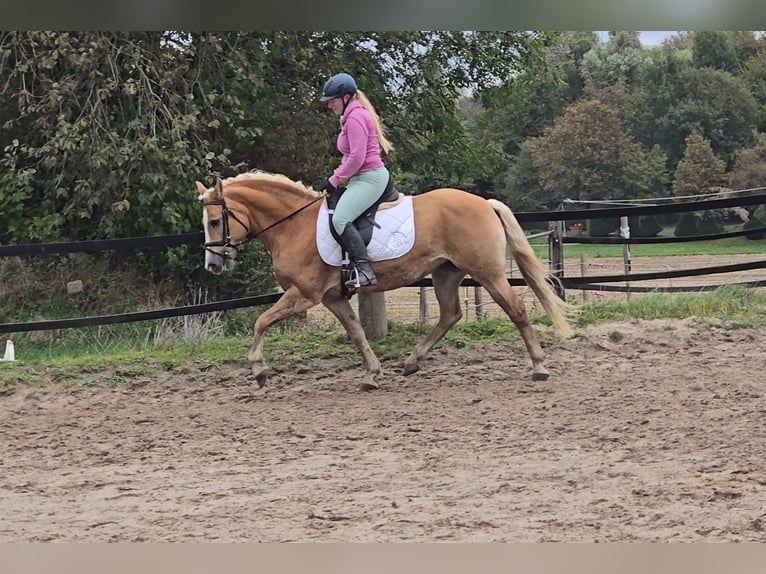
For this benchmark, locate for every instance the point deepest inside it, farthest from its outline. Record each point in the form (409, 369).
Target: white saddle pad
(394, 237)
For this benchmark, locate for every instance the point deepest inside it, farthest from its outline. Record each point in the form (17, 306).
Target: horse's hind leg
(290, 303)
(502, 292)
(341, 308)
(446, 279)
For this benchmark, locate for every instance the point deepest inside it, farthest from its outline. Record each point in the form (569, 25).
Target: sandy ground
(646, 431)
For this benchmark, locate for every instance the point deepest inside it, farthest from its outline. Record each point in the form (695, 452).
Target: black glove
(328, 187)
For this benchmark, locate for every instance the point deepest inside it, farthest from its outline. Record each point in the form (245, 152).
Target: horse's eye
(215, 223)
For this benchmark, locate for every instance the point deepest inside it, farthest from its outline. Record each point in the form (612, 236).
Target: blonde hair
(384, 143)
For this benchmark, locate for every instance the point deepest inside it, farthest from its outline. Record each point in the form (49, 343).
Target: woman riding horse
(455, 234)
(359, 141)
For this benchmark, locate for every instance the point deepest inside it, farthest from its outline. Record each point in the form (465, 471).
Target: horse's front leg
(341, 308)
(290, 303)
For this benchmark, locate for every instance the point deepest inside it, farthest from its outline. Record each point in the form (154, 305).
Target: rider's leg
(362, 191)
(357, 250)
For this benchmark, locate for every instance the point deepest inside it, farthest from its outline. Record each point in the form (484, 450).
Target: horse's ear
(201, 189)
(218, 190)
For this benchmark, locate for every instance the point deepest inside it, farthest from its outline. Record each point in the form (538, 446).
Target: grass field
(728, 246)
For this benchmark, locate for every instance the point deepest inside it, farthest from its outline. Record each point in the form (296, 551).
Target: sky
(647, 38)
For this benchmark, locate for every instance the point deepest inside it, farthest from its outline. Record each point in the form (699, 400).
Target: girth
(365, 222)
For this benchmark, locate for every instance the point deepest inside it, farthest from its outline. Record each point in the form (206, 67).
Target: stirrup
(355, 283)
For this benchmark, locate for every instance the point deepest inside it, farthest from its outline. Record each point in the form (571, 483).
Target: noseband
(226, 241)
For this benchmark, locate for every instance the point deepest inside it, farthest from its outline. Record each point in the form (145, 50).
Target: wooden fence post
(625, 234)
(423, 307)
(584, 263)
(478, 303)
(372, 314)
(556, 254)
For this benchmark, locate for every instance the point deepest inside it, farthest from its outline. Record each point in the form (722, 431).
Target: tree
(519, 185)
(754, 77)
(675, 99)
(525, 104)
(588, 155)
(104, 131)
(699, 170)
(714, 50)
(749, 171)
(618, 61)
(430, 69)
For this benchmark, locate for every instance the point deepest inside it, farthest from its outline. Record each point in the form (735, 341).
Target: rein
(225, 212)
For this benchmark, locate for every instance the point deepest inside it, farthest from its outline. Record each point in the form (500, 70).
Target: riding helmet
(337, 86)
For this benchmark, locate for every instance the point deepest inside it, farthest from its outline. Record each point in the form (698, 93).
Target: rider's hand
(328, 187)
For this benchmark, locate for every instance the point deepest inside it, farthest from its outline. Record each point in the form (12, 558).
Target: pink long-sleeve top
(358, 142)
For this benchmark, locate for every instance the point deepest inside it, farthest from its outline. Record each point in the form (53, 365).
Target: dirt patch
(646, 431)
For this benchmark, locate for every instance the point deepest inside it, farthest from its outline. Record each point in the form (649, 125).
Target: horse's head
(222, 240)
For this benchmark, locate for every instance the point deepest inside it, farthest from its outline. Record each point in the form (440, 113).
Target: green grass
(736, 305)
(84, 362)
(729, 246)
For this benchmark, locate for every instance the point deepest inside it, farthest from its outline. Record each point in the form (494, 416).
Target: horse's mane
(275, 178)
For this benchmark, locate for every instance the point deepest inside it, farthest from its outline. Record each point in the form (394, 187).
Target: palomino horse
(456, 234)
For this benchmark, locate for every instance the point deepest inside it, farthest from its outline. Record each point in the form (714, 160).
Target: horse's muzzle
(217, 263)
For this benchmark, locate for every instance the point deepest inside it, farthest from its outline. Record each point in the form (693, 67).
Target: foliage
(587, 155)
(686, 226)
(119, 283)
(618, 61)
(521, 108)
(674, 99)
(742, 306)
(603, 226)
(519, 185)
(713, 50)
(699, 170)
(104, 133)
(644, 225)
(104, 123)
(756, 220)
(754, 77)
(708, 222)
(749, 167)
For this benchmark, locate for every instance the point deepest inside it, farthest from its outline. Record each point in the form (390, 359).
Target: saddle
(365, 222)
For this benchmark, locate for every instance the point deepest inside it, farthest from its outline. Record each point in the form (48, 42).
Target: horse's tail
(534, 271)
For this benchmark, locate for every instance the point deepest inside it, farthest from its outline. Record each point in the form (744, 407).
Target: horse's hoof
(540, 376)
(410, 368)
(261, 376)
(367, 387)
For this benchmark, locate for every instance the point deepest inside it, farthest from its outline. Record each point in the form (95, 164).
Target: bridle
(226, 212)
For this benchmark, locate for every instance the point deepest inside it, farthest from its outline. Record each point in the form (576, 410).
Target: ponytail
(384, 143)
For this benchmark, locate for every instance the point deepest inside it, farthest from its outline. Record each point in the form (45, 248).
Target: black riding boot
(357, 250)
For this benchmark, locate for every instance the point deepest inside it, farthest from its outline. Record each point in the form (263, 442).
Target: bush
(754, 224)
(687, 225)
(757, 219)
(603, 226)
(644, 225)
(709, 222)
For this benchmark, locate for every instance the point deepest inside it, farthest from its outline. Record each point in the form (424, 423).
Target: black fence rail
(600, 282)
